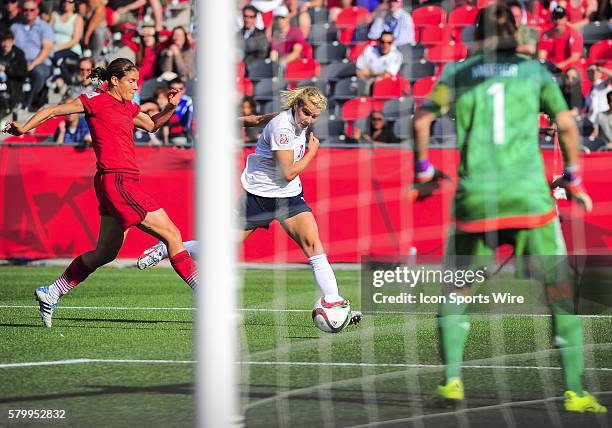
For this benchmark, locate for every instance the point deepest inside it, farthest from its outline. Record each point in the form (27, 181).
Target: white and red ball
(331, 318)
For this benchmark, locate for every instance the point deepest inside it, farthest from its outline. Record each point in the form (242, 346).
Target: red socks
(185, 267)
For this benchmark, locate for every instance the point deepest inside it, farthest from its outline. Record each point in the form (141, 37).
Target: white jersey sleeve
(262, 175)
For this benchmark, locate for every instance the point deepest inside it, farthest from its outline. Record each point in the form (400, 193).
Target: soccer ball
(331, 318)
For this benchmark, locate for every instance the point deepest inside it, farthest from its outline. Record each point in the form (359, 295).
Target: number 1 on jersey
(497, 91)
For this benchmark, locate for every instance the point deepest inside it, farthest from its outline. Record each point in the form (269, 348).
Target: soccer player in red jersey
(111, 116)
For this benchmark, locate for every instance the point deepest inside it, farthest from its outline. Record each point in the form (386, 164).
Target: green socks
(567, 330)
(454, 327)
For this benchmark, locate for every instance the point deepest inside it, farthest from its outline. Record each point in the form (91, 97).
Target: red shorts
(121, 197)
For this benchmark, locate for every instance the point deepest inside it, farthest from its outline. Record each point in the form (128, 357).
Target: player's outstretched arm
(256, 119)
(153, 123)
(569, 138)
(14, 128)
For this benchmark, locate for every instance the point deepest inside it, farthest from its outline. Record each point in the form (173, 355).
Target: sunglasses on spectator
(11, 1)
(29, 10)
(386, 42)
(249, 16)
(84, 69)
(377, 119)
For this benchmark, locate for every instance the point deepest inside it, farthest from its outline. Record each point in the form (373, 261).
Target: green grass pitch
(128, 365)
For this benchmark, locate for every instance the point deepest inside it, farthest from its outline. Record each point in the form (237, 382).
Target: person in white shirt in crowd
(596, 101)
(380, 61)
(390, 17)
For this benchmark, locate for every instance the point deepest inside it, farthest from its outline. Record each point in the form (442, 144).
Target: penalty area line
(282, 363)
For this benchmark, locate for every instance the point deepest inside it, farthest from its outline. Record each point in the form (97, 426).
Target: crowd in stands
(50, 47)
(378, 59)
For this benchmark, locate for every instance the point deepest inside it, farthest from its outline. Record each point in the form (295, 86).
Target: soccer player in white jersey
(274, 191)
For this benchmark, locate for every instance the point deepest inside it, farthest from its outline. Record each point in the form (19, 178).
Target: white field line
(137, 308)
(282, 363)
(466, 410)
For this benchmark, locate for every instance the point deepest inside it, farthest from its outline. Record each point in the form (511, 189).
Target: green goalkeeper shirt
(496, 102)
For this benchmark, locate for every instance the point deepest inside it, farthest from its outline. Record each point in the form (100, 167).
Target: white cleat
(45, 304)
(151, 256)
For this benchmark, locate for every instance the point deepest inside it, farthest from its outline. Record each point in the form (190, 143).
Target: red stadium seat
(25, 138)
(426, 16)
(244, 86)
(240, 68)
(49, 126)
(392, 87)
(481, 4)
(267, 18)
(307, 50)
(348, 20)
(422, 87)
(301, 69)
(453, 51)
(601, 52)
(355, 51)
(436, 34)
(360, 108)
(463, 16)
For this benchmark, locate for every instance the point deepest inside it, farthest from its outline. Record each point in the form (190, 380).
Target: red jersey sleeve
(135, 109)
(89, 102)
(576, 42)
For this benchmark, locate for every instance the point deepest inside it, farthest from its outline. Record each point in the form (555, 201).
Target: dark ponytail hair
(118, 68)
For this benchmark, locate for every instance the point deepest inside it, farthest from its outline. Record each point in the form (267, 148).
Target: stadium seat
(436, 34)
(348, 20)
(338, 70)
(330, 52)
(444, 130)
(402, 128)
(315, 81)
(307, 50)
(327, 126)
(348, 88)
(422, 87)
(24, 138)
(418, 70)
(321, 33)
(261, 69)
(240, 68)
(271, 106)
(357, 49)
(48, 127)
(481, 4)
(412, 53)
(596, 32)
(453, 51)
(301, 69)
(318, 14)
(391, 87)
(244, 86)
(398, 107)
(463, 16)
(601, 52)
(148, 87)
(359, 108)
(426, 16)
(266, 89)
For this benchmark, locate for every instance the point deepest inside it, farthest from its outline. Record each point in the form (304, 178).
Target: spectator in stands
(571, 86)
(131, 11)
(179, 57)
(81, 83)
(287, 41)
(579, 12)
(68, 28)
(73, 130)
(249, 107)
(380, 61)
(602, 131)
(337, 6)
(378, 131)
(13, 71)
(561, 45)
(35, 37)
(596, 100)
(390, 17)
(173, 132)
(604, 12)
(146, 57)
(527, 36)
(184, 109)
(151, 108)
(10, 15)
(254, 41)
(96, 29)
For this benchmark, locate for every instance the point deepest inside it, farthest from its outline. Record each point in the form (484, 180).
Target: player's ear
(114, 80)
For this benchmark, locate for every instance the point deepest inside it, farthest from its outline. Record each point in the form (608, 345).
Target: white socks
(192, 248)
(325, 278)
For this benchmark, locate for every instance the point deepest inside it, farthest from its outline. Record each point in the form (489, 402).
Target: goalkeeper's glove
(426, 180)
(571, 184)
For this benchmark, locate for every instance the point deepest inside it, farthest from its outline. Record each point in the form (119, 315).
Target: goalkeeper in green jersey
(502, 194)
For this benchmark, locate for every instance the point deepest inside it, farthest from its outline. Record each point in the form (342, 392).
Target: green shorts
(540, 250)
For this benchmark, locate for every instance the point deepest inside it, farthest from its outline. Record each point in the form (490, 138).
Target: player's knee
(312, 246)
